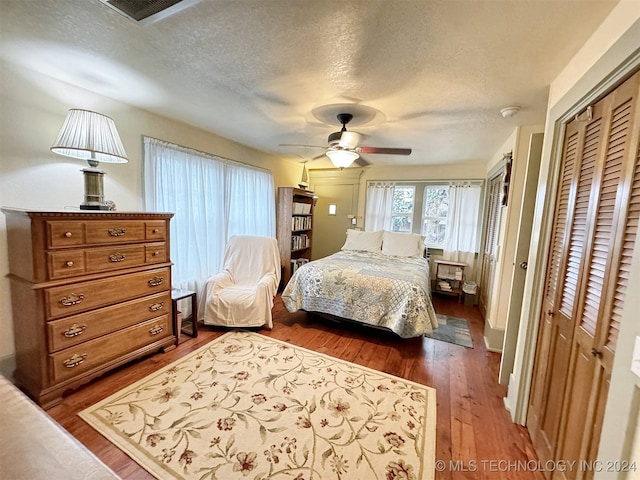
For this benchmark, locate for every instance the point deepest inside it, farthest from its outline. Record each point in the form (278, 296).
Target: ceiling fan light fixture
(342, 158)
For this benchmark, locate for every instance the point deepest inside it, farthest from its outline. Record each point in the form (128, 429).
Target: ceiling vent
(148, 11)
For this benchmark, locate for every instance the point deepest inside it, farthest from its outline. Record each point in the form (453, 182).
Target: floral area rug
(452, 330)
(246, 406)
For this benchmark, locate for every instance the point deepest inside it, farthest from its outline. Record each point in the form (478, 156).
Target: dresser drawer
(83, 296)
(76, 329)
(113, 258)
(156, 230)
(115, 231)
(94, 353)
(66, 263)
(156, 252)
(65, 233)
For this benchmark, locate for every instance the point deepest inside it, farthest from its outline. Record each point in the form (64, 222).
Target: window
(445, 212)
(212, 199)
(435, 210)
(402, 208)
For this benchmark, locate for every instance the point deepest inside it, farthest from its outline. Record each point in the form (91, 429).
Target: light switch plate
(635, 359)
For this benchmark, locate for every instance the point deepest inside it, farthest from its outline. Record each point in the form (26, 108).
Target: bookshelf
(294, 219)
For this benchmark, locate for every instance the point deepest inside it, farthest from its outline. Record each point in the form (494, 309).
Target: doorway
(336, 207)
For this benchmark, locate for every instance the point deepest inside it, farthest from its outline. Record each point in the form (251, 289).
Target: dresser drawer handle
(156, 329)
(156, 253)
(155, 230)
(69, 263)
(116, 232)
(117, 257)
(68, 234)
(74, 331)
(74, 360)
(155, 281)
(72, 299)
(156, 306)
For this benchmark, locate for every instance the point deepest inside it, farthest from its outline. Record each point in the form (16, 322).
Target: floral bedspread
(372, 288)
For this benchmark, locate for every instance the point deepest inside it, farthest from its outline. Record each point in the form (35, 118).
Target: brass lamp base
(93, 190)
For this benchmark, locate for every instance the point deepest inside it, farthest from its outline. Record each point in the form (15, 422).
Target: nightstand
(191, 323)
(449, 277)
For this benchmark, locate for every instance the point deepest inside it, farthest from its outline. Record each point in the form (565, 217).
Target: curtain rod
(429, 182)
(210, 156)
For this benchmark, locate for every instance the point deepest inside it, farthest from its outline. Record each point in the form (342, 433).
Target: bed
(368, 286)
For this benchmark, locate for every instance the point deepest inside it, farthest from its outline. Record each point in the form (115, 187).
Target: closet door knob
(596, 353)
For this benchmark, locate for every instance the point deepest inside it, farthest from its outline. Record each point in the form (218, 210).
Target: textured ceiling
(435, 72)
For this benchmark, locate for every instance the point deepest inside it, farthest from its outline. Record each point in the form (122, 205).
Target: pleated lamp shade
(90, 136)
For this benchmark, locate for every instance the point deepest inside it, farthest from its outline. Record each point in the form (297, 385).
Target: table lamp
(92, 137)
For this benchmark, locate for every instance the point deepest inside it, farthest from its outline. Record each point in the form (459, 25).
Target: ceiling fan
(343, 148)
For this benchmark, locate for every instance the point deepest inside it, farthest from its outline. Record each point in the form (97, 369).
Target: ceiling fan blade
(349, 139)
(388, 151)
(318, 157)
(361, 162)
(300, 145)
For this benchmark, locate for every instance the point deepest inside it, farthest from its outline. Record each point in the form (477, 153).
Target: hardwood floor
(475, 436)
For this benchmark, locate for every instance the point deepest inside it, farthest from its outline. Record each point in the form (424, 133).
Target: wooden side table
(450, 277)
(192, 323)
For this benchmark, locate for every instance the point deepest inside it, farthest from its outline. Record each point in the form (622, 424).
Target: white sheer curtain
(250, 202)
(212, 199)
(461, 241)
(379, 206)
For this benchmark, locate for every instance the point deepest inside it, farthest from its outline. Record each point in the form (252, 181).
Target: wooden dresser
(90, 291)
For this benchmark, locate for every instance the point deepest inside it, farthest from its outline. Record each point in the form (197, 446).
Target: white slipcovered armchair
(241, 295)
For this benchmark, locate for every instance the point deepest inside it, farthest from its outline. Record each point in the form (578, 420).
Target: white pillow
(402, 244)
(363, 241)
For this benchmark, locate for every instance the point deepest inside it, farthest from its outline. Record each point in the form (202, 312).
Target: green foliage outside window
(402, 210)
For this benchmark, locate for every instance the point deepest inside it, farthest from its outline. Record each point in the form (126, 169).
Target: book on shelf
(297, 263)
(300, 223)
(300, 241)
(300, 208)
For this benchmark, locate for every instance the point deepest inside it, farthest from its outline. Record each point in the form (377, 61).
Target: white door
(521, 256)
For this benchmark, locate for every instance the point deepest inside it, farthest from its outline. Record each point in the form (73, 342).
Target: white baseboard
(493, 338)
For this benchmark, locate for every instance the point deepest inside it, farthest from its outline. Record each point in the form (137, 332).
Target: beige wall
(32, 110)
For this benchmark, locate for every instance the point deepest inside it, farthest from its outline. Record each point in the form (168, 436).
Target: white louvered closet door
(595, 228)
(490, 253)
